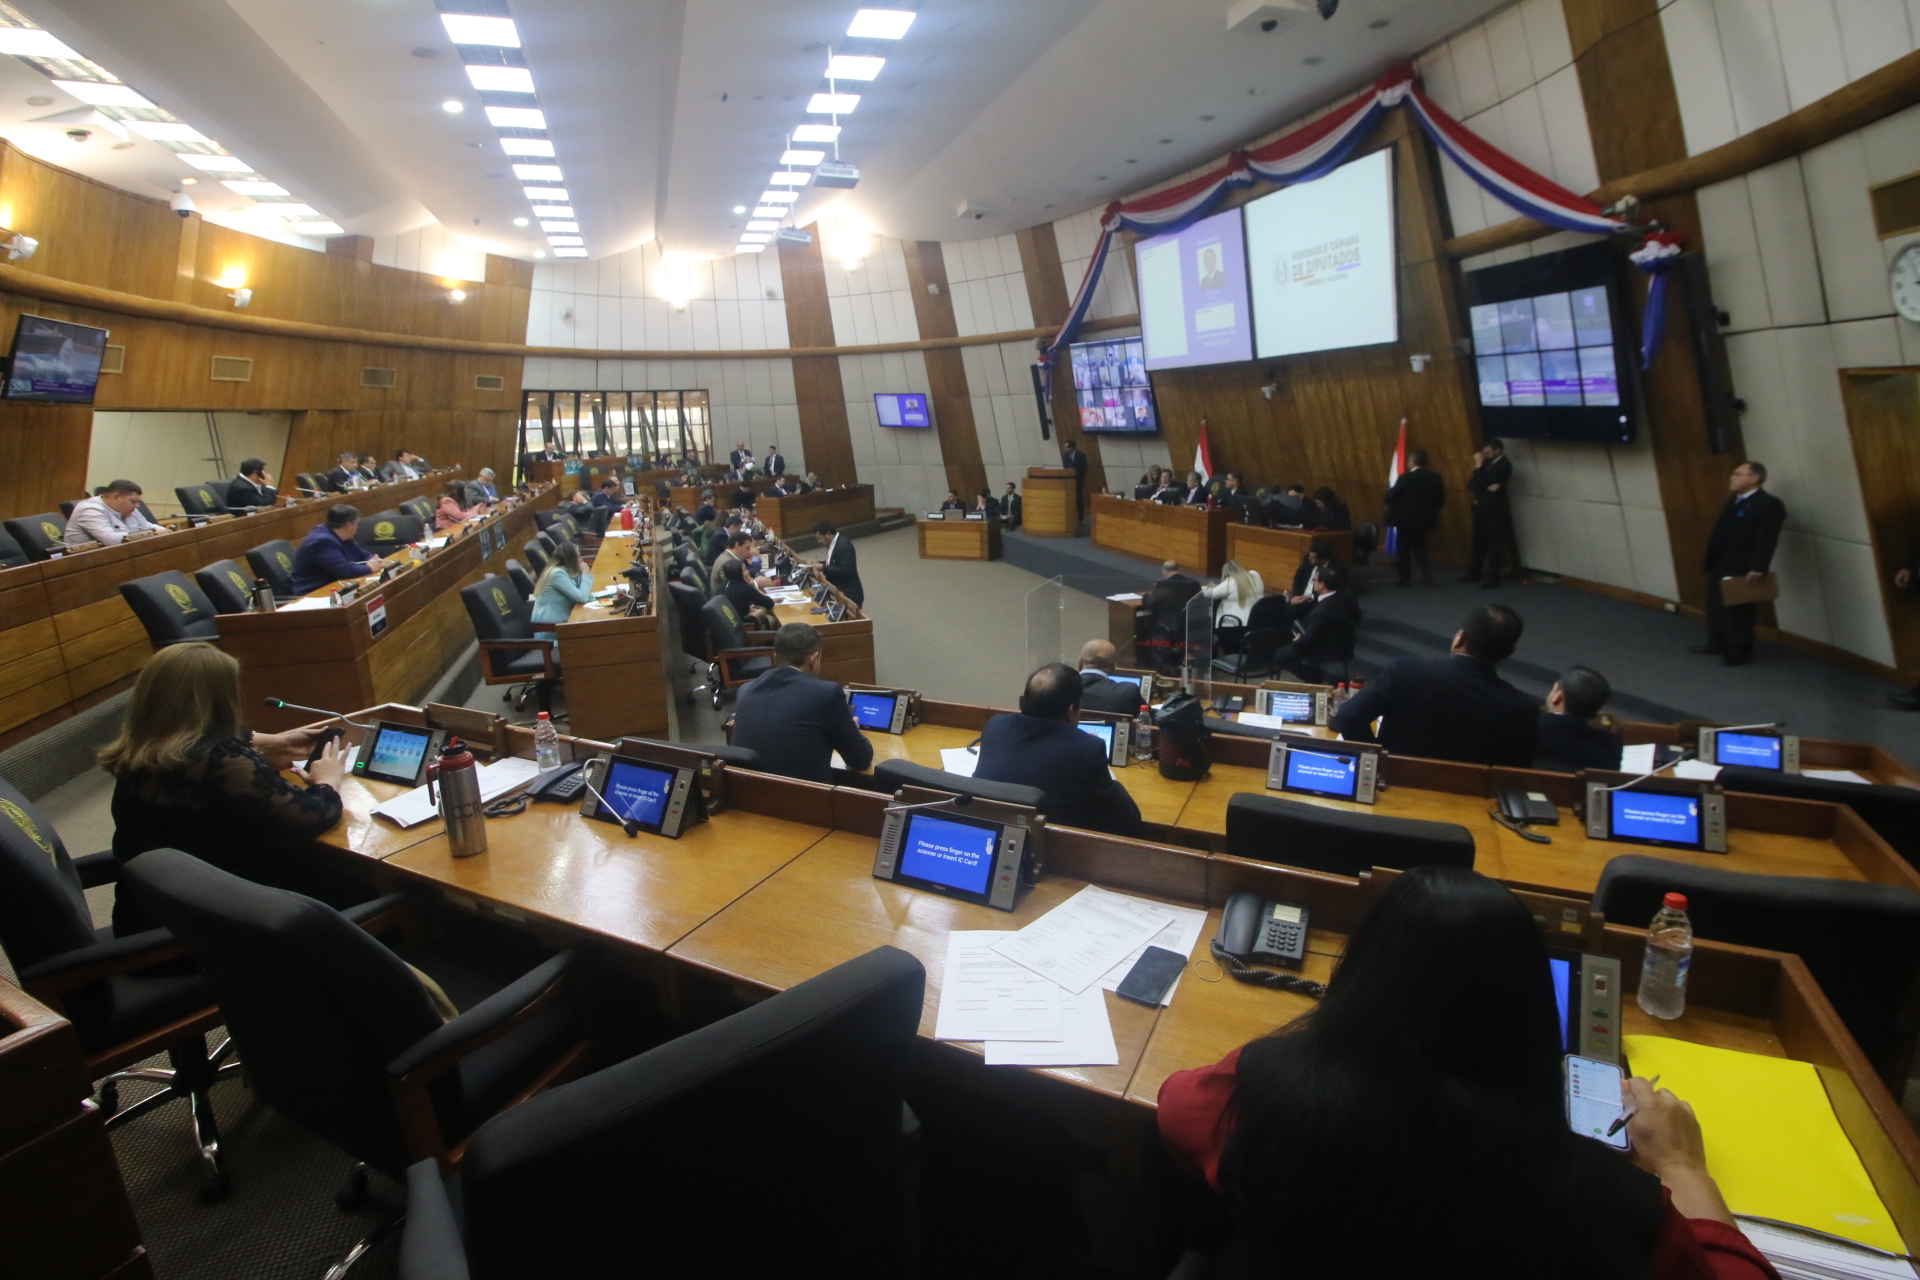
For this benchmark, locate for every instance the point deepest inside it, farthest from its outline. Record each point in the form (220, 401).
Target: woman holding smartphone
(1414, 1123)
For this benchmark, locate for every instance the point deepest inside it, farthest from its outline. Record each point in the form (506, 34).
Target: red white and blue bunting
(1314, 151)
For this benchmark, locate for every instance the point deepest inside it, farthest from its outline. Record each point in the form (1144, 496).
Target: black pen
(1625, 1116)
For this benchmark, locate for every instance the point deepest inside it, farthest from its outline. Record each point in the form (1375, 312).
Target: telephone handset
(1253, 928)
(563, 784)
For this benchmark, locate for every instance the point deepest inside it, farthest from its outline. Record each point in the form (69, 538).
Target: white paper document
(1836, 775)
(1273, 722)
(1179, 935)
(302, 604)
(1637, 758)
(496, 779)
(1126, 597)
(1814, 1256)
(1086, 1038)
(1078, 941)
(985, 996)
(1698, 769)
(959, 760)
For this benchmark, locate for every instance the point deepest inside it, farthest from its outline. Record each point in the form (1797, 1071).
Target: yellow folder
(1773, 1142)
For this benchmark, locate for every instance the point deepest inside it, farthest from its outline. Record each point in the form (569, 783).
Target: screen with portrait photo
(1754, 750)
(944, 851)
(1193, 294)
(902, 409)
(637, 793)
(1321, 261)
(1657, 817)
(1323, 773)
(1111, 387)
(873, 710)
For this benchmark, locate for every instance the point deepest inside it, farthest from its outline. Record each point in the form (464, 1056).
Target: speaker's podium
(1049, 508)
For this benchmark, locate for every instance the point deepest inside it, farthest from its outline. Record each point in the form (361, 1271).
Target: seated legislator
(1325, 633)
(1414, 1124)
(188, 775)
(1302, 598)
(1324, 510)
(1234, 596)
(345, 474)
(746, 597)
(1097, 692)
(328, 553)
(779, 488)
(610, 495)
(952, 502)
(452, 510)
(563, 584)
(985, 503)
(796, 720)
(1042, 746)
(1568, 739)
(369, 469)
(1451, 708)
(1193, 493)
(109, 518)
(253, 487)
(481, 490)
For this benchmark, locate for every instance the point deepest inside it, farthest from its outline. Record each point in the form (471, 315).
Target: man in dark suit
(796, 720)
(1451, 708)
(1302, 598)
(1076, 462)
(1010, 505)
(1491, 483)
(953, 502)
(775, 464)
(344, 475)
(1097, 691)
(1741, 546)
(1160, 621)
(1413, 510)
(1326, 634)
(839, 563)
(1042, 746)
(740, 455)
(1568, 739)
(609, 495)
(253, 487)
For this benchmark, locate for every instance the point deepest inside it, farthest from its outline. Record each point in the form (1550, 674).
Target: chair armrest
(496, 1016)
(528, 643)
(740, 654)
(548, 671)
(381, 914)
(85, 965)
(97, 869)
(431, 1247)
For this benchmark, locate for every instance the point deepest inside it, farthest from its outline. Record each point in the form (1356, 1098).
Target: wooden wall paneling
(1883, 416)
(89, 232)
(1620, 56)
(43, 456)
(946, 369)
(819, 395)
(1049, 300)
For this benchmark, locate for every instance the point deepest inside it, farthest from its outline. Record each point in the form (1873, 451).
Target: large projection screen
(1322, 263)
(1193, 295)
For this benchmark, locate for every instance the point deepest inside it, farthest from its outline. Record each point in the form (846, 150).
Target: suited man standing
(739, 455)
(1491, 484)
(1010, 505)
(1076, 462)
(1042, 746)
(1451, 708)
(1741, 546)
(775, 464)
(839, 563)
(1413, 510)
(796, 720)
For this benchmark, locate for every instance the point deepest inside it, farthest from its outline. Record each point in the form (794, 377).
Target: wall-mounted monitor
(1550, 356)
(902, 409)
(1193, 295)
(1322, 264)
(55, 362)
(1110, 383)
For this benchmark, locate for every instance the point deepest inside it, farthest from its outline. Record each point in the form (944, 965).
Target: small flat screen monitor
(394, 753)
(1289, 705)
(873, 710)
(1132, 682)
(902, 409)
(636, 792)
(54, 361)
(1653, 817)
(1101, 730)
(1111, 386)
(1322, 773)
(1754, 750)
(1193, 294)
(950, 852)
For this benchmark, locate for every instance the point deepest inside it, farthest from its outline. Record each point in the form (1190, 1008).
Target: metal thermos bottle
(262, 596)
(459, 799)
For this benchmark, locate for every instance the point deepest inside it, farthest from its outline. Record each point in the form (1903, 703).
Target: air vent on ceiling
(1896, 206)
(231, 369)
(372, 377)
(489, 382)
(115, 360)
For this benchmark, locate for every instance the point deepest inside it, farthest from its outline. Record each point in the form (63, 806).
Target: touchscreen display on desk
(873, 710)
(1755, 750)
(398, 752)
(1101, 729)
(940, 850)
(636, 792)
(1650, 815)
(1323, 773)
(1563, 976)
(1132, 682)
(1294, 708)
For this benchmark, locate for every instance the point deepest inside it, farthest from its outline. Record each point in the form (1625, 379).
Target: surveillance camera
(1419, 361)
(241, 297)
(1269, 24)
(79, 135)
(181, 203)
(20, 247)
(1268, 389)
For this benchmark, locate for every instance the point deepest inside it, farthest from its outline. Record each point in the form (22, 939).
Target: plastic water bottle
(546, 743)
(1340, 694)
(1663, 973)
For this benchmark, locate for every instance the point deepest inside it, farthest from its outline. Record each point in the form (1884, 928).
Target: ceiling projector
(836, 173)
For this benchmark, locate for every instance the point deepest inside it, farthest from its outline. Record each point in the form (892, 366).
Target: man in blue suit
(1451, 708)
(1043, 746)
(796, 720)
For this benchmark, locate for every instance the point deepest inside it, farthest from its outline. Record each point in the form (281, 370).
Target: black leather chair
(536, 554)
(274, 562)
(228, 586)
(522, 580)
(1365, 539)
(687, 603)
(1894, 812)
(1274, 829)
(895, 774)
(731, 660)
(42, 536)
(172, 608)
(503, 622)
(543, 520)
(341, 1037)
(1268, 628)
(127, 998)
(386, 532)
(1861, 941)
(793, 1107)
(12, 554)
(420, 507)
(201, 499)
(1230, 646)
(309, 485)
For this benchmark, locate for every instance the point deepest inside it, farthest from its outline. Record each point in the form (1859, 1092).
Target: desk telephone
(564, 784)
(1253, 928)
(1519, 807)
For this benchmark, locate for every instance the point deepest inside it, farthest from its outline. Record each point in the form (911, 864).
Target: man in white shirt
(109, 518)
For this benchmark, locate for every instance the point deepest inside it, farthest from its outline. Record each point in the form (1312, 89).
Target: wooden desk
(1049, 506)
(554, 471)
(1869, 760)
(688, 496)
(959, 539)
(792, 516)
(615, 682)
(1192, 537)
(846, 646)
(1275, 554)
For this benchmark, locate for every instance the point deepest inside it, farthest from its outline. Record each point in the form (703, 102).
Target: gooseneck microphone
(280, 704)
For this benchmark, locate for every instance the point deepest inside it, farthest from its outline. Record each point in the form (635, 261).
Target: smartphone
(1152, 974)
(320, 743)
(1594, 1100)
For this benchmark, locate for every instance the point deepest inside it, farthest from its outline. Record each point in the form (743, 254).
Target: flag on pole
(1396, 469)
(1203, 457)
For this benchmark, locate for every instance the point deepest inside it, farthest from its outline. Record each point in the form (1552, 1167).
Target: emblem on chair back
(286, 561)
(500, 601)
(206, 497)
(383, 531)
(52, 530)
(27, 827)
(178, 594)
(239, 582)
(726, 607)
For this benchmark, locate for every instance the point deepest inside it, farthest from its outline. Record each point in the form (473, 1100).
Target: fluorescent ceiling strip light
(845, 66)
(565, 240)
(755, 237)
(772, 211)
(569, 253)
(538, 173)
(31, 42)
(763, 224)
(546, 193)
(473, 28)
(215, 164)
(527, 146)
(802, 157)
(560, 226)
(95, 94)
(779, 197)
(880, 24)
(553, 211)
(833, 104)
(242, 186)
(168, 131)
(517, 117)
(816, 133)
(292, 209)
(501, 79)
(789, 179)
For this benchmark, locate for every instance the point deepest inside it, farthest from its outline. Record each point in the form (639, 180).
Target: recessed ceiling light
(216, 164)
(501, 79)
(772, 211)
(319, 228)
(453, 106)
(39, 100)
(194, 182)
(31, 42)
(519, 222)
(779, 197)
(517, 117)
(816, 133)
(537, 194)
(557, 241)
(242, 186)
(539, 253)
(749, 248)
(538, 173)
(831, 104)
(786, 178)
(843, 66)
(527, 146)
(739, 208)
(560, 226)
(292, 209)
(553, 211)
(95, 94)
(802, 157)
(167, 130)
(880, 24)
(763, 224)
(569, 253)
(755, 237)
(472, 28)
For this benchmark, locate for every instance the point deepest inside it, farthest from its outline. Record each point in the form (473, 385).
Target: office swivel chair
(1365, 539)
(226, 585)
(1893, 812)
(791, 1110)
(200, 499)
(1860, 941)
(503, 623)
(891, 775)
(536, 554)
(12, 554)
(731, 659)
(274, 562)
(172, 608)
(1273, 829)
(127, 998)
(1268, 629)
(543, 520)
(1230, 646)
(42, 536)
(522, 580)
(422, 508)
(687, 603)
(386, 532)
(341, 1037)
(308, 485)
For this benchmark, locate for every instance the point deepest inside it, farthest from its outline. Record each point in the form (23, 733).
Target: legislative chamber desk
(610, 663)
(688, 496)
(959, 539)
(1274, 554)
(1192, 537)
(795, 515)
(1050, 503)
(846, 646)
(777, 888)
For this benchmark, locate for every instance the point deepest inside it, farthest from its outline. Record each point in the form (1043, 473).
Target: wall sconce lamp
(20, 248)
(241, 297)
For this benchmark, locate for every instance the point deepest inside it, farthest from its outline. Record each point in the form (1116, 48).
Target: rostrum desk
(796, 514)
(1192, 537)
(959, 539)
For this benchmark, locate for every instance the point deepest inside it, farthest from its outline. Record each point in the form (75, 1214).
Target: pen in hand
(1630, 1112)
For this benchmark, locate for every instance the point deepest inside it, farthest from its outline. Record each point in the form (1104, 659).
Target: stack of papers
(302, 604)
(1035, 997)
(1799, 1255)
(496, 779)
(1836, 775)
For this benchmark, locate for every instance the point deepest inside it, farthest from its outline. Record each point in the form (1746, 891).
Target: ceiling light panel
(501, 79)
(786, 179)
(763, 224)
(554, 194)
(816, 133)
(216, 164)
(569, 253)
(467, 28)
(553, 211)
(802, 157)
(527, 146)
(842, 66)
(779, 197)
(833, 104)
(244, 187)
(517, 117)
(31, 42)
(880, 24)
(168, 131)
(560, 226)
(538, 173)
(755, 237)
(772, 211)
(558, 241)
(95, 94)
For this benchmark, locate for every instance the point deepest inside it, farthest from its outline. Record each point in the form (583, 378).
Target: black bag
(1180, 726)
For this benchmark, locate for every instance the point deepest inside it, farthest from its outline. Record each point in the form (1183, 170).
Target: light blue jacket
(558, 594)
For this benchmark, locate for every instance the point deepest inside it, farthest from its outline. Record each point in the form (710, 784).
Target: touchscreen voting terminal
(973, 852)
(653, 797)
(1144, 679)
(1586, 996)
(1115, 733)
(398, 753)
(1754, 748)
(1293, 703)
(836, 610)
(1674, 813)
(1331, 770)
(888, 710)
